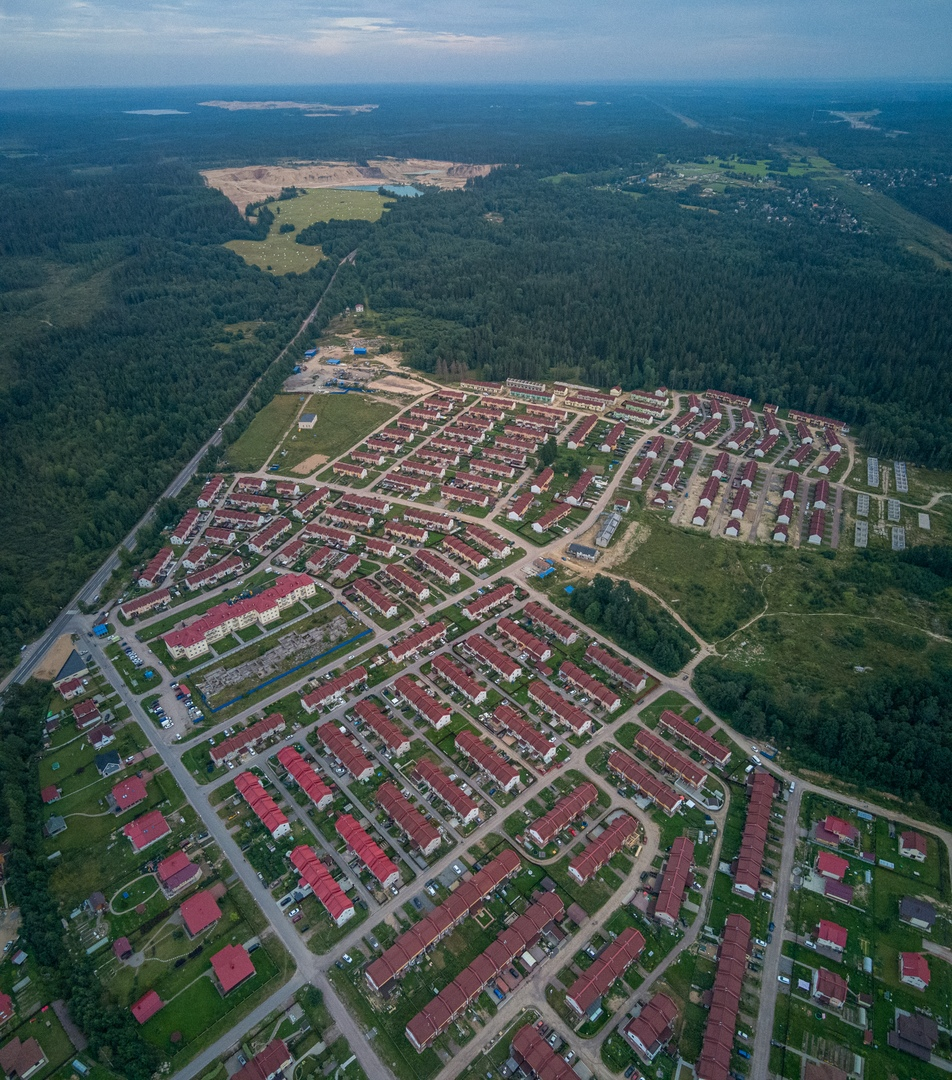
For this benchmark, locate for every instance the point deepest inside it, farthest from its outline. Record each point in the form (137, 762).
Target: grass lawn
(280, 253)
(343, 421)
(251, 449)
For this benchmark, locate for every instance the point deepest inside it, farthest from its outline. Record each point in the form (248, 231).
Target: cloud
(238, 41)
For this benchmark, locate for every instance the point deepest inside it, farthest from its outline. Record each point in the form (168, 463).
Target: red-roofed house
(129, 793)
(176, 872)
(199, 912)
(6, 1008)
(914, 970)
(831, 866)
(232, 965)
(51, 794)
(912, 845)
(146, 830)
(830, 935)
(829, 988)
(653, 1027)
(266, 1065)
(146, 1007)
(86, 713)
(844, 832)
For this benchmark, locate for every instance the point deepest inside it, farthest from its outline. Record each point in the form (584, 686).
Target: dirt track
(251, 183)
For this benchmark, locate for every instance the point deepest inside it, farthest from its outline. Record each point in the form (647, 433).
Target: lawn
(251, 449)
(280, 253)
(343, 421)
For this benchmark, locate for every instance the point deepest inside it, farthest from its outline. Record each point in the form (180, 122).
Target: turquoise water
(404, 190)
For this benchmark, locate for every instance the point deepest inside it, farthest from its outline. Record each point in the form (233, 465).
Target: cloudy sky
(49, 43)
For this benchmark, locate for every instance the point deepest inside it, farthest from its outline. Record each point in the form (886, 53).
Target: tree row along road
(531, 993)
(90, 591)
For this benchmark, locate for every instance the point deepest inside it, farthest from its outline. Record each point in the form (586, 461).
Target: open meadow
(280, 253)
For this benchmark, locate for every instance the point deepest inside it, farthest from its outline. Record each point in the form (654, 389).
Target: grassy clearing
(280, 253)
(343, 420)
(251, 449)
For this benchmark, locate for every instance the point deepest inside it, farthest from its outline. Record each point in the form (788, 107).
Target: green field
(280, 253)
(343, 420)
(251, 449)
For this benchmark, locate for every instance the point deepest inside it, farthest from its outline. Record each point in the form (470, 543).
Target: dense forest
(114, 1037)
(129, 332)
(578, 281)
(129, 335)
(637, 623)
(891, 733)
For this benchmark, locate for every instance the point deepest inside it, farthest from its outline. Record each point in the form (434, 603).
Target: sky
(63, 43)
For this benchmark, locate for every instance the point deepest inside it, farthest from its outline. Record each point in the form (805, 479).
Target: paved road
(89, 593)
(771, 966)
(312, 968)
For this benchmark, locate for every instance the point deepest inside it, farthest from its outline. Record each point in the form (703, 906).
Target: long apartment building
(460, 680)
(671, 760)
(531, 741)
(447, 791)
(581, 680)
(306, 777)
(414, 943)
(561, 630)
(375, 718)
(440, 1013)
(485, 652)
(423, 702)
(621, 833)
(546, 828)
(342, 747)
(414, 644)
(195, 639)
(411, 822)
(488, 760)
(367, 850)
(632, 678)
(477, 608)
(700, 740)
(334, 690)
(552, 702)
(315, 874)
(645, 781)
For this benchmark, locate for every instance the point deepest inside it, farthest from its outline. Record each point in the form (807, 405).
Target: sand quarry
(252, 183)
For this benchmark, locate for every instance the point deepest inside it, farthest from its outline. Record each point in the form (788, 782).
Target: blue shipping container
(359, 350)
(333, 360)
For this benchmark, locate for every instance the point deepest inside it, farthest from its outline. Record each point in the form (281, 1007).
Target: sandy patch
(308, 465)
(251, 183)
(56, 656)
(397, 384)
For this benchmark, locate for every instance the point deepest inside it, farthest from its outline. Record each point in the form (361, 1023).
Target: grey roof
(581, 549)
(55, 826)
(108, 762)
(74, 666)
(912, 908)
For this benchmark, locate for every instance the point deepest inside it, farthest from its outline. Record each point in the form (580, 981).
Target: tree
(549, 451)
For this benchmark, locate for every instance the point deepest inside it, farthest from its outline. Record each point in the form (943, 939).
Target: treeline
(114, 1037)
(577, 282)
(888, 732)
(117, 362)
(635, 622)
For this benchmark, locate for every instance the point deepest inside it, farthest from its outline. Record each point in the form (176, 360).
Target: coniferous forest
(129, 332)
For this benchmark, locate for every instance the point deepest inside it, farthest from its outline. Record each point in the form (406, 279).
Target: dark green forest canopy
(115, 290)
(115, 364)
(582, 282)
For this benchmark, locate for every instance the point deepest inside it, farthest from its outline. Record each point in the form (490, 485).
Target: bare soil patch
(251, 183)
(308, 465)
(56, 656)
(397, 384)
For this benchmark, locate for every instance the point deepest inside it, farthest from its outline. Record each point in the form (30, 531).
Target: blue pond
(395, 189)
